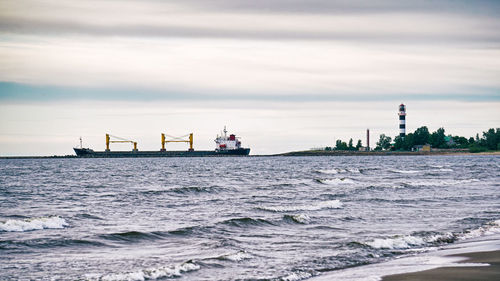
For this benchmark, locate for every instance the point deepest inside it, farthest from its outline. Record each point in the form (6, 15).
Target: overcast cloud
(253, 52)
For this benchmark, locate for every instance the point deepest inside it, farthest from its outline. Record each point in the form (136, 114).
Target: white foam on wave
(490, 228)
(339, 170)
(33, 224)
(374, 272)
(331, 204)
(406, 242)
(444, 170)
(405, 171)
(301, 218)
(337, 182)
(441, 182)
(296, 276)
(410, 241)
(331, 172)
(147, 274)
(238, 256)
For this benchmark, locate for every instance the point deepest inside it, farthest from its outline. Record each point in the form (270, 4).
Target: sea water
(236, 218)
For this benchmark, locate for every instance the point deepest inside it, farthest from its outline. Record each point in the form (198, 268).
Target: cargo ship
(225, 146)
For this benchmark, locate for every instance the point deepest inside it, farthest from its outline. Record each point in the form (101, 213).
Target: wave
(338, 170)
(52, 222)
(244, 222)
(300, 218)
(492, 227)
(49, 243)
(332, 204)
(238, 256)
(147, 274)
(296, 276)
(131, 236)
(443, 170)
(194, 189)
(441, 182)
(336, 182)
(410, 241)
(405, 171)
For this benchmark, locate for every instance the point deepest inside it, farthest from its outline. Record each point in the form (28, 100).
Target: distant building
(449, 141)
(422, 148)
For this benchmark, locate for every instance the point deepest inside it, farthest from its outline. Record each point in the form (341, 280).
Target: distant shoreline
(315, 153)
(383, 153)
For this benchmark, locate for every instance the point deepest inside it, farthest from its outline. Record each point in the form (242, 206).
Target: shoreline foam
(468, 257)
(490, 270)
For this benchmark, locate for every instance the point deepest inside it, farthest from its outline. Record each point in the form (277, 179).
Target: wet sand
(466, 273)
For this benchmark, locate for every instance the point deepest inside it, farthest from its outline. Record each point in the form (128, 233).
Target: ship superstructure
(223, 142)
(231, 144)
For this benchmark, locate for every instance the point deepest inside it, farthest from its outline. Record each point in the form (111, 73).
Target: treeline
(340, 145)
(490, 140)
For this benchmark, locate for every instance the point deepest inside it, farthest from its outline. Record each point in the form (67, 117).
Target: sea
(237, 218)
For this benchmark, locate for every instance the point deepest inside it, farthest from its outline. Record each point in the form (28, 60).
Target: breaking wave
(238, 256)
(332, 204)
(296, 276)
(338, 171)
(336, 182)
(410, 241)
(33, 224)
(405, 171)
(300, 218)
(441, 182)
(147, 274)
(489, 228)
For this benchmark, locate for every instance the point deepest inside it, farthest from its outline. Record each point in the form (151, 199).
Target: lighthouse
(402, 120)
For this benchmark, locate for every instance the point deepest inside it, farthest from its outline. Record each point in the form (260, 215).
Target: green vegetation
(340, 145)
(489, 141)
(384, 143)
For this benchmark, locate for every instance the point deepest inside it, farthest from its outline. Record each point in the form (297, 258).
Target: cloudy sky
(283, 75)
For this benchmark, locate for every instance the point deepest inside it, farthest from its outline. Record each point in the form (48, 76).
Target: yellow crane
(176, 139)
(120, 140)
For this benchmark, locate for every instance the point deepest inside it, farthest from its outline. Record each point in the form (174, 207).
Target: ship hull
(89, 153)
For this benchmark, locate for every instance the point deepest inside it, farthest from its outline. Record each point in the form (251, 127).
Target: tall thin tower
(367, 139)
(402, 120)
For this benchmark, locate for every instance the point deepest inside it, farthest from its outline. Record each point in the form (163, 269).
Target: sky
(283, 75)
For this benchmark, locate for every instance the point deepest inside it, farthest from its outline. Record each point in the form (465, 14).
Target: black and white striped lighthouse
(402, 120)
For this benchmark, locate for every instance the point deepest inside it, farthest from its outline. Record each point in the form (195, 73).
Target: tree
(358, 145)
(351, 147)
(340, 145)
(409, 141)
(491, 139)
(421, 136)
(384, 142)
(399, 143)
(461, 141)
(437, 139)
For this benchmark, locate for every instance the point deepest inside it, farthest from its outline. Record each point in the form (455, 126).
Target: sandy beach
(477, 258)
(466, 273)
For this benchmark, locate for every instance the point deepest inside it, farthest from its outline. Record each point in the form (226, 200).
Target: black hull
(89, 153)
